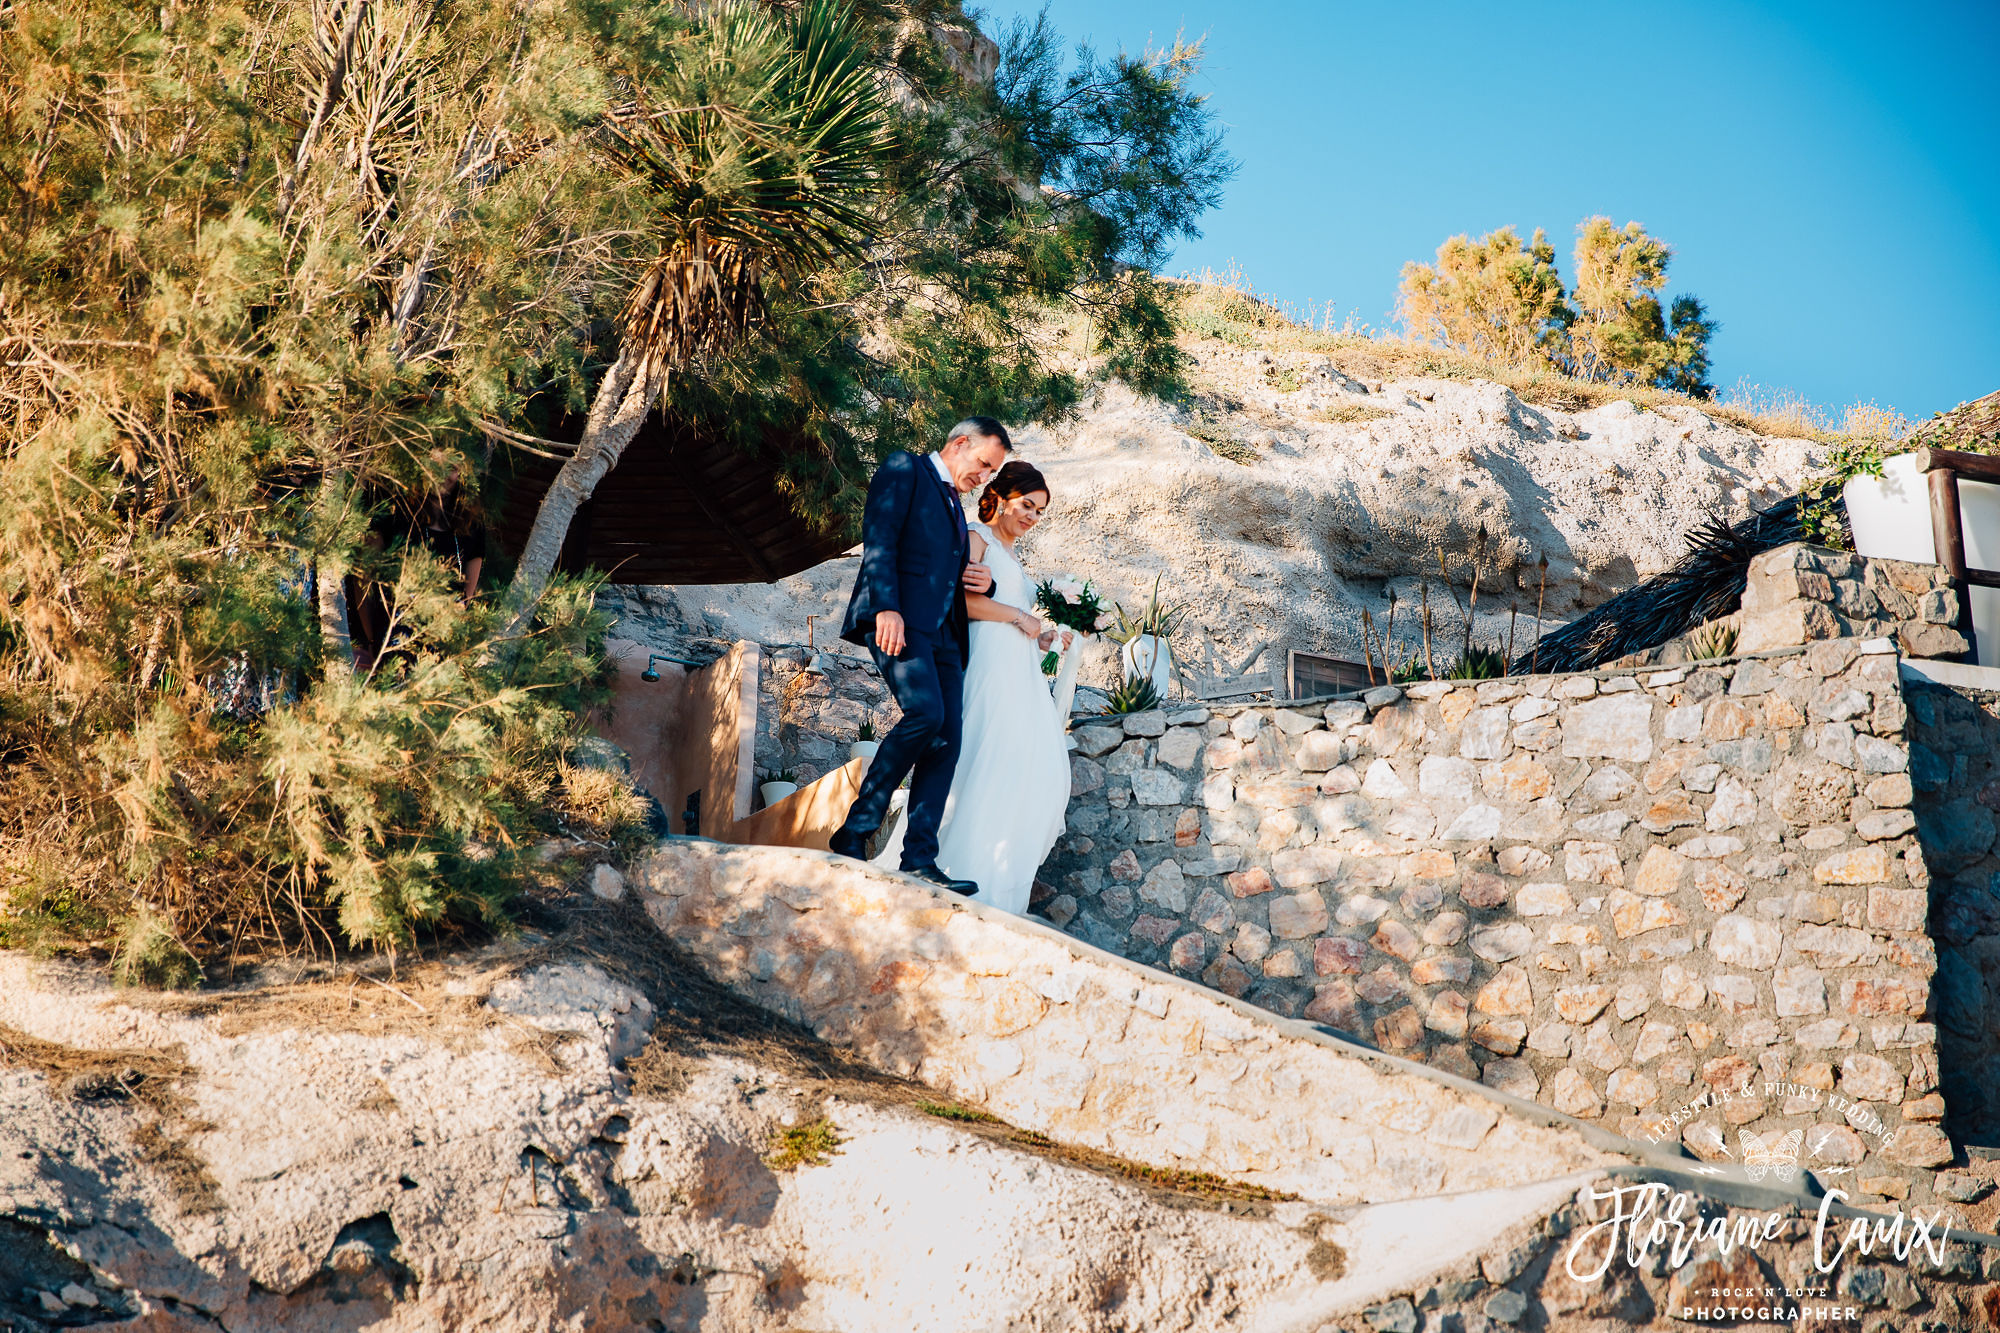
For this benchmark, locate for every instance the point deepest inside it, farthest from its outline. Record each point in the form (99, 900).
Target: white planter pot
(775, 792)
(863, 749)
(1891, 519)
(1152, 658)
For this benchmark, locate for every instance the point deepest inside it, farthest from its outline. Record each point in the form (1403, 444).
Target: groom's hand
(977, 578)
(889, 633)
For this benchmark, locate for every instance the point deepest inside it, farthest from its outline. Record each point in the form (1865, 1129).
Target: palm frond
(765, 165)
(1705, 584)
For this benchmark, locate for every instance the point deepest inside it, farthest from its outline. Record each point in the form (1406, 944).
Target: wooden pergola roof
(676, 510)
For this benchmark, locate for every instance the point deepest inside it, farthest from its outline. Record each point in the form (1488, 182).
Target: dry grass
(135, 1076)
(602, 803)
(1221, 438)
(1348, 414)
(1224, 307)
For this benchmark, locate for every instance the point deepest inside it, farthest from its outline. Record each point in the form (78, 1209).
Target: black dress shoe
(849, 844)
(932, 875)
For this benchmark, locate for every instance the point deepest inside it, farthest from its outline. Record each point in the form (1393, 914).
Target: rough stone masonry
(1690, 903)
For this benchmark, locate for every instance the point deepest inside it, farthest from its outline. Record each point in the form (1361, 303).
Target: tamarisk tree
(1503, 301)
(266, 269)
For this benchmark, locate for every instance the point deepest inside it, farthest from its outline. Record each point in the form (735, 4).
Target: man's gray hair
(972, 426)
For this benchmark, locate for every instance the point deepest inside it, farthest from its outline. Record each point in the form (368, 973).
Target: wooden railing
(1943, 468)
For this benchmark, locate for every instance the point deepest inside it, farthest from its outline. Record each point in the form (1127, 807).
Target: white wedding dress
(1010, 792)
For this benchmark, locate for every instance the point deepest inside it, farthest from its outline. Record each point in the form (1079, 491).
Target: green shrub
(1208, 324)
(1477, 664)
(248, 304)
(150, 954)
(814, 1143)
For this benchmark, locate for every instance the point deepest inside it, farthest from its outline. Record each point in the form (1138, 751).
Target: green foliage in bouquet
(1070, 604)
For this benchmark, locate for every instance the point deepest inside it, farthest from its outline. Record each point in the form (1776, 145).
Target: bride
(1010, 791)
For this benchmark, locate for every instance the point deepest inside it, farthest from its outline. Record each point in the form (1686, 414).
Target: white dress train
(1010, 791)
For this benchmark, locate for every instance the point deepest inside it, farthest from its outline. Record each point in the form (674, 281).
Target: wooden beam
(1948, 536)
(1979, 467)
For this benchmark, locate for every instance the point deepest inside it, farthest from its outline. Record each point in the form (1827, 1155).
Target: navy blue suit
(914, 551)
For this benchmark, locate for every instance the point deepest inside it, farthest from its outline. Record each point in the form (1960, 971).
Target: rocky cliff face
(1289, 495)
(461, 1147)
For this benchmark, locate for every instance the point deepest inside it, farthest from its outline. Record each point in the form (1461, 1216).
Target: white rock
(607, 882)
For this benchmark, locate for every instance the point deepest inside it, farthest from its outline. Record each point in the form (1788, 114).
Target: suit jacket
(913, 551)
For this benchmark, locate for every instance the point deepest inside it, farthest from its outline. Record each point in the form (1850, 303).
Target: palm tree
(763, 167)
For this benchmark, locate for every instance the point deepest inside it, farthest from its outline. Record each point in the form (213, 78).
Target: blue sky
(1828, 174)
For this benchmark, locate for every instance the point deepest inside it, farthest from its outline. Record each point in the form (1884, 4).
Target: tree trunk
(336, 644)
(625, 395)
(329, 591)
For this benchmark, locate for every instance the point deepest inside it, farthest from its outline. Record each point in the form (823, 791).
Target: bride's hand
(1046, 639)
(1028, 625)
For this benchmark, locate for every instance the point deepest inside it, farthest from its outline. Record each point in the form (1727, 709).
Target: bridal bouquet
(1072, 604)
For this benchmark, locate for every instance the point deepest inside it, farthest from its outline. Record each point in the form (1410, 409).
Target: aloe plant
(1715, 639)
(1136, 695)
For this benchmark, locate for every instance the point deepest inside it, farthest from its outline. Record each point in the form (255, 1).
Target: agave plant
(1477, 664)
(1135, 695)
(760, 150)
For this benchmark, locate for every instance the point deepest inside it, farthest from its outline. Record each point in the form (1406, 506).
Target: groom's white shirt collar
(950, 485)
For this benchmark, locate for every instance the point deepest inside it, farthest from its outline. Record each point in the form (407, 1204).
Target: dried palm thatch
(1972, 427)
(1706, 583)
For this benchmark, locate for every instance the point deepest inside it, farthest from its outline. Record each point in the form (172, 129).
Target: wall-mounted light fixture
(652, 673)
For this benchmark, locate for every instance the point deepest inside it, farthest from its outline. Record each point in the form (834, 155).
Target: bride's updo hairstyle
(1013, 478)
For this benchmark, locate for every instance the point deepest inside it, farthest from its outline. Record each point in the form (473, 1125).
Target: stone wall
(1798, 594)
(1955, 771)
(1051, 1036)
(1683, 902)
(807, 719)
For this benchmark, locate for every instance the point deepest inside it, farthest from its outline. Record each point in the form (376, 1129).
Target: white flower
(1068, 587)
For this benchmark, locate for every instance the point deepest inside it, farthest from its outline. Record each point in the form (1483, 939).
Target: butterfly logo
(1773, 1153)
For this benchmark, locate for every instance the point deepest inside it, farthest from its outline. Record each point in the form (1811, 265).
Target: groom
(908, 609)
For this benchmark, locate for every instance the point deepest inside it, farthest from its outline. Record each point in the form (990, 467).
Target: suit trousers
(928, 681)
